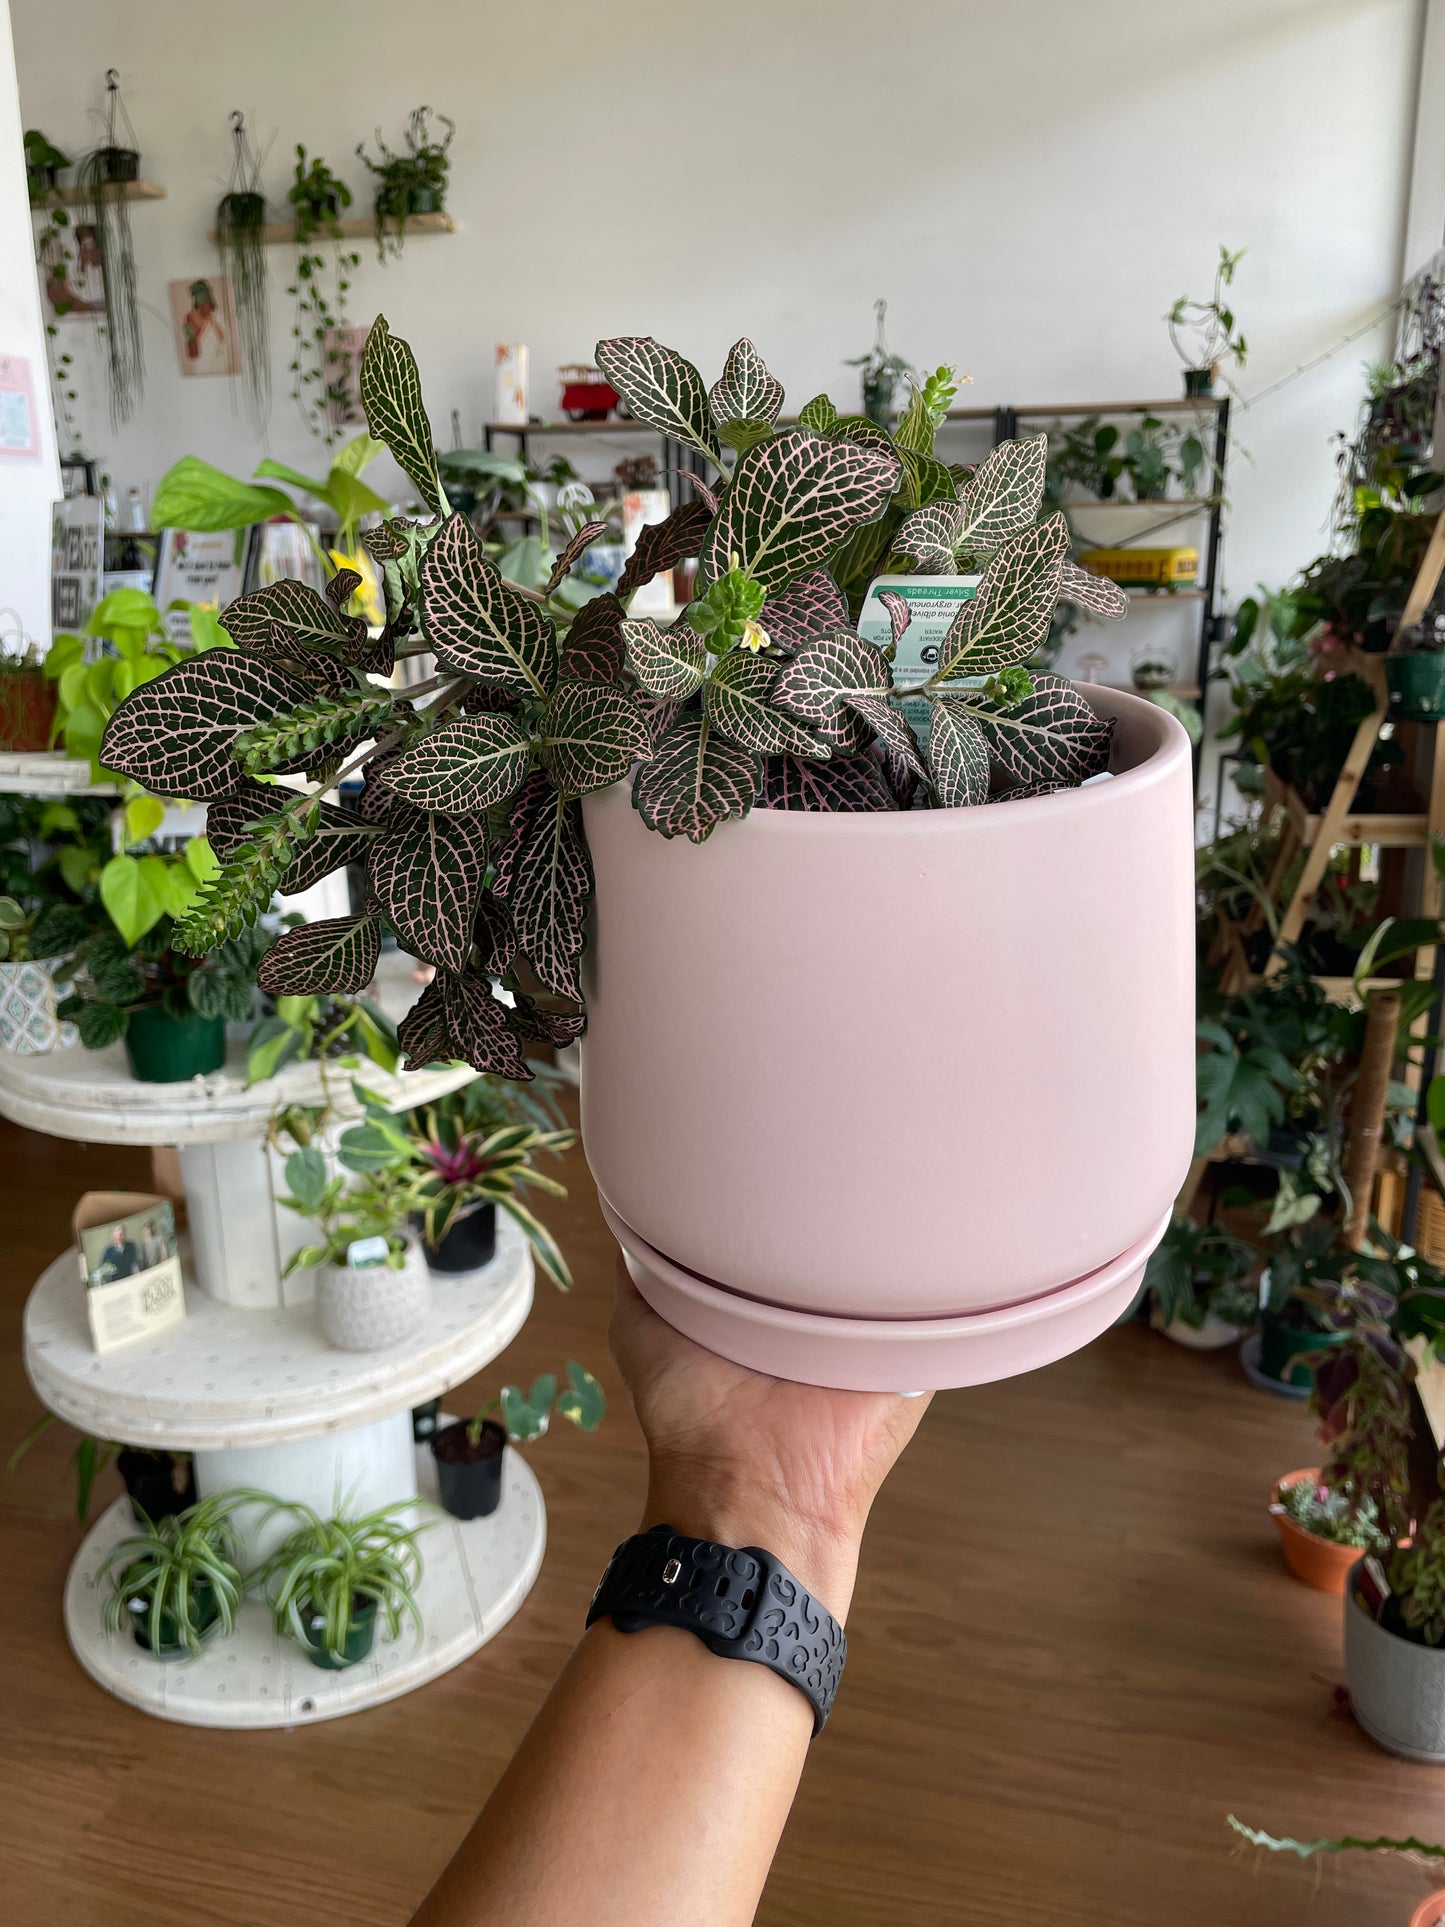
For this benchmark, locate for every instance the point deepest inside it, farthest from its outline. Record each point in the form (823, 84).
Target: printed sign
(933, 602)
(131, 1268)
(19, 432)
(208, 567)
(77, 552)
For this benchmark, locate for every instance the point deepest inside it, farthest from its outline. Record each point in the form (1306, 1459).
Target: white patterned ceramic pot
(28, 997)
(1397, 1689)
(367, 1310)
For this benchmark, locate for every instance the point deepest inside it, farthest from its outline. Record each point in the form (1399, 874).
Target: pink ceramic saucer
(883, 1354)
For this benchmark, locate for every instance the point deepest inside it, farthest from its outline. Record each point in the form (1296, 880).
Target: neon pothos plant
(469, 822)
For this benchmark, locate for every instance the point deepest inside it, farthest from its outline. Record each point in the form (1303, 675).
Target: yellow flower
(754, 637)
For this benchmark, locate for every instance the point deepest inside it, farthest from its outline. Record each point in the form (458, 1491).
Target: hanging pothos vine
(319, 289)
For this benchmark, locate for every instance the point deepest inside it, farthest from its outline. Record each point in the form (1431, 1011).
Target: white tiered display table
(249, 1386)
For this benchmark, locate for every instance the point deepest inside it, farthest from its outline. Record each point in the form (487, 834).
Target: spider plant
(101, 180)
(240, 223)
(177, 1579)
(331, 1573)
(453, 1166)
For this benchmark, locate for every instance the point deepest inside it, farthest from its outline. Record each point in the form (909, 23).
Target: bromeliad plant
(469, 821)
(449, 1166)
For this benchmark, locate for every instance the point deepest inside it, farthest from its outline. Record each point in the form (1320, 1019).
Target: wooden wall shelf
(75, 197)
(357, 227)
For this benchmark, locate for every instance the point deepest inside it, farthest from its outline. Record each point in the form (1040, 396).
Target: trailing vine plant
(320, 285)
(102, 178)
(413, 181)
(240, 220)
(55, 259)
(469, 822)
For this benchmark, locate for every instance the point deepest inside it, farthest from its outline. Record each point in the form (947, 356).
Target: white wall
(1030, 184)
(27, 487)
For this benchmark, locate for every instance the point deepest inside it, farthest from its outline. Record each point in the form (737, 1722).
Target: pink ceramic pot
(898, 1068)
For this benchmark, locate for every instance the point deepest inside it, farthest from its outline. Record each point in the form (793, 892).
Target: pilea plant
(469, 821)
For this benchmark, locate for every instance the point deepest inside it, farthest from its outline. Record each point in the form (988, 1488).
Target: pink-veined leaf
(541, 1025)
(705, 491)
(660, 388)
(479, 1027)
(1052, 736)
(1003, 498)
(812, 606)
(899, 613)
(662, 545)
(746, 391)
(496, 934)
(546, 876)
(1009, 616)
(174, 735)
(342, 587)
(819, 414)
(845, 783)
(891, 729)
(303, 616)
(928, 537)
(958, 756)
(428, 880)
(829, 672)
(695, 780)
(341, 837)
(589, 735)
(464, 766)
(659, 713)
(562, 567)
(390, 391)
(670, 662)
(737, 700)
(1094, 593)
(336, 957)
(479, 625)
(422, 1033)
(790, 502)
(592, 648)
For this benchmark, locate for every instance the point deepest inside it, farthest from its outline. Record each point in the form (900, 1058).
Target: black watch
(741, 1603)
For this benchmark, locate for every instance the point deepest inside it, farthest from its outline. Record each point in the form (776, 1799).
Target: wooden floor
(1073, 1652)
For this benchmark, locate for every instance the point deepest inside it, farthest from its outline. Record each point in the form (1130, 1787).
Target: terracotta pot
(1431, 1910)
(830, 1056)
(1319, 1562)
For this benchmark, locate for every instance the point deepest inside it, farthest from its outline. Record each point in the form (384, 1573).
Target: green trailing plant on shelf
(240, 242)
(103, 207)
(44, 164)
(410, 181)
(450, 1167)
(179, 1579)
(320, 285)
(194, 495)
(330, 1574)
(136, 646)
(1096, 456)
(1205, 333)
(469, 820)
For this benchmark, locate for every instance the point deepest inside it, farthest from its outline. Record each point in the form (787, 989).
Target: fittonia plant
(469, 823)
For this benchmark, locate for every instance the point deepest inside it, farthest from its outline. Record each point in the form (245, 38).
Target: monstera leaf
(660, 388)
(696, 778)
(1052, 736)
(958, 757)
(662, 545)
(174, 735)
(390, 390)
(736, 699)
(746, 401)
(464, 766)
(829, 673)
(337, 956)
(544, 872)
(791, 502)
(1004, 496)
(479, 625)
(844, 783)
(669, 663)
(592, 651)
(428, 880)
(1009, 617)
(589, 735)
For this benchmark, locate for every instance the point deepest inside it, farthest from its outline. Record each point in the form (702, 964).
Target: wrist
(821, 1552)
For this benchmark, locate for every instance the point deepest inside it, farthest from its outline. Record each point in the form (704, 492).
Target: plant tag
(932, 602)
(1372, 1588)
(361, 1253)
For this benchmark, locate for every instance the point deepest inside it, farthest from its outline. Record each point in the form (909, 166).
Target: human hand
(744, 1459)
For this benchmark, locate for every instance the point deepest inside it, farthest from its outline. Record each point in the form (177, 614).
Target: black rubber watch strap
(742, 1603)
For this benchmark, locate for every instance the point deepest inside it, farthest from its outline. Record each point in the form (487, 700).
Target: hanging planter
(102, 177)
(413, 181)
(240, 226)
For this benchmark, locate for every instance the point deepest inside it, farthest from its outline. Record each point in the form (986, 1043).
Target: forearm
(656, 1780)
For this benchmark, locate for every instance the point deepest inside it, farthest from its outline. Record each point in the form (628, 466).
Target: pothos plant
(469, 821)
(319, 289)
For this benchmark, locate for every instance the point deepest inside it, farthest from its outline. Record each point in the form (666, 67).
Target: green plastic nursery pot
(1417, 688)
(1279, 1343)
(167, 1050)
(205, 1616)
(360, 1631)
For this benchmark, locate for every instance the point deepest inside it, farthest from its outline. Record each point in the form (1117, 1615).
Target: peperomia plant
(469, 821)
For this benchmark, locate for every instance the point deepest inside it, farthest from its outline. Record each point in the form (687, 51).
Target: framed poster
(341, 356)
(200, 566)
(203, 316)
(77, 554)
(19, 424)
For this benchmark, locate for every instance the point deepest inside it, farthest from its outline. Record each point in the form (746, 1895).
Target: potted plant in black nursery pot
(178, 1580)
(469, 1453)
(329, 1579)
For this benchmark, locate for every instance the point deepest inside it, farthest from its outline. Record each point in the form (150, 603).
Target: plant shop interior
(540, 667)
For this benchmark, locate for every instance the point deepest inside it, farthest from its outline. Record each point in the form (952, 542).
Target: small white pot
(1397, 1689)
(369, 1309)
(28, 996)
(1212, 1336)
